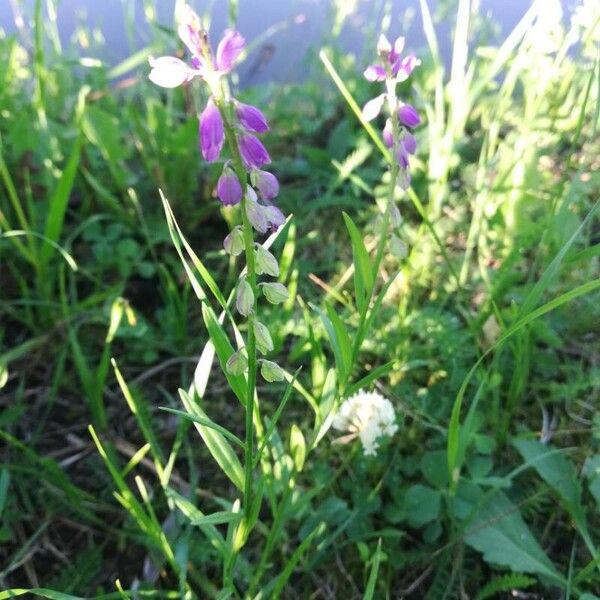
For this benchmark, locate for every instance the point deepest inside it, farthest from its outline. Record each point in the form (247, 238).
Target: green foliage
(484, 337)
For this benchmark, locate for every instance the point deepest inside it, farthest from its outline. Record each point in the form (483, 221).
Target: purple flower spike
(229, 189)
(374, 73)
(229, 49)
(212, 135)
(266, 183)
(169, 72)
(373, 107)
(409, 142)
(408, 115)
(254, 154)
(251, 118)
(388, 134)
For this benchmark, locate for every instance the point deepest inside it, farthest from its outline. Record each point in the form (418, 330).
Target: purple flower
(229, 189)
(409, 142)
(229, 49)
(254, 154)
(251, 118)
(266, 183)
(169, 72)
(388, 134)
(212, 135)
(400, 67)
(373, 107)
(408, 115)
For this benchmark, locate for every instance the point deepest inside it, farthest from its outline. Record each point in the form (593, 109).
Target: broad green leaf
(216, 443)
(559, 473)
(421, 505)
(500, 534)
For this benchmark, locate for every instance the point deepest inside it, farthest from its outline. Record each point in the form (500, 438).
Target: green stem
(248, 232)
(385, 226)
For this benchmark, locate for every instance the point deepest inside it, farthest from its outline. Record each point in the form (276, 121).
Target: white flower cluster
(367, 415)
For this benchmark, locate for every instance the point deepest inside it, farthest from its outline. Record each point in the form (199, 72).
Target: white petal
(168, 71)
(373, 107)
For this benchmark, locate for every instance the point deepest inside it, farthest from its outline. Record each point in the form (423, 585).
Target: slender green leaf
(216, 443)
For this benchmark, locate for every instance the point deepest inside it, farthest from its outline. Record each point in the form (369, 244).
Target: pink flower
(212, 135)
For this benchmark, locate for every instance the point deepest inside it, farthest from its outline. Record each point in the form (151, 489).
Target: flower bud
(275, 293)
(388, 134)
(266, 263)
(251, 118)
(244, 301)
(229, 189)
(271, 371)
(264, 342)
(237, 363)
(266, 183)
(408, 115)
(234, 242)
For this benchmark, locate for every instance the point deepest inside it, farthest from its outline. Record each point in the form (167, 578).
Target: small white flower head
(367, 415)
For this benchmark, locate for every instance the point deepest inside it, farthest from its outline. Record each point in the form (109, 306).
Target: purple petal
(229, 189)
(251, 118)
(402, 157)
(374, 73)
(254, 154)
(409, 142)
(406, 67)
(229, 49)
(212, 135)
(168, 71)
(373, 107)
(388, 134)
(408, 115)
(266, 183)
